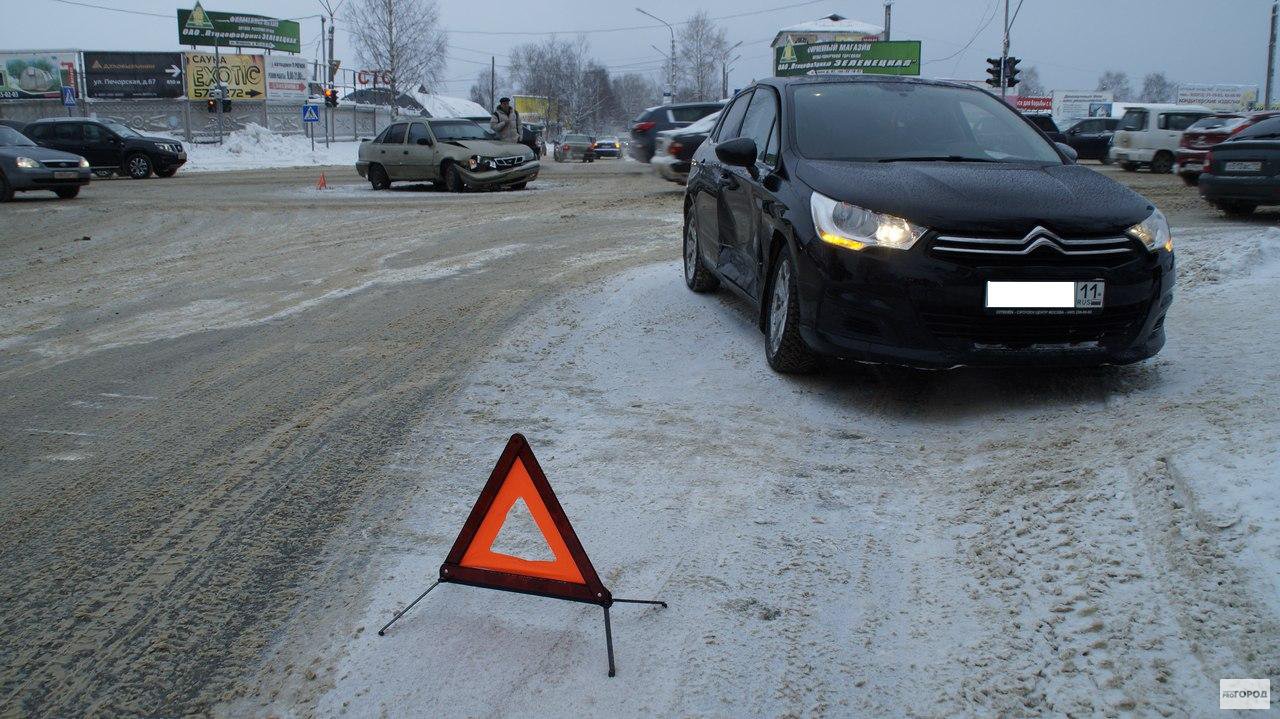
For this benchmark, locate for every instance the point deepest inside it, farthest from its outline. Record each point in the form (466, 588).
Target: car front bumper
(47, 178)
(671, 168)
(1232, 188)
(499, 178)
(915, 308)
(608, 152)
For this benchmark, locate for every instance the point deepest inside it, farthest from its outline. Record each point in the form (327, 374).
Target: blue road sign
(68, 96)
(311, 113)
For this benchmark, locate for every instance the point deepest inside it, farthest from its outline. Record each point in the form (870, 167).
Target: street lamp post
(724, 70)
(671, 60)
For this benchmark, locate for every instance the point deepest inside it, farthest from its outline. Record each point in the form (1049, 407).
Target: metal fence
(194, 122)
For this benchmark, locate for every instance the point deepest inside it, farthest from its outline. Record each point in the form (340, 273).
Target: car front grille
(60, 164)
(1039, 247)
(507, 162)
(1113, 324)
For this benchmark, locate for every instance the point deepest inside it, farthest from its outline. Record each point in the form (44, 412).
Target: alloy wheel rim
(138, 165)
(690, 251)
(778, 306)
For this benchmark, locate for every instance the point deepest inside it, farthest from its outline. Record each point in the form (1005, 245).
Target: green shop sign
(198, 26)
(893, 57)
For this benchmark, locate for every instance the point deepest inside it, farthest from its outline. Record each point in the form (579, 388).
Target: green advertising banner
(198, 26)
(892, 57)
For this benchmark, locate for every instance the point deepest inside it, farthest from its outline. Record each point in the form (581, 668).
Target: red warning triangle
(473, 560)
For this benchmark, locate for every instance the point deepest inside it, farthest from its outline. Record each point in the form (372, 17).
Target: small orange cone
(321, 184)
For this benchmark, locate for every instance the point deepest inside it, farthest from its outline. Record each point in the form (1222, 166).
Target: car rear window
(576, 138)
(1265, 130)
(1216, 124)
(1133, 120)
(692, 113)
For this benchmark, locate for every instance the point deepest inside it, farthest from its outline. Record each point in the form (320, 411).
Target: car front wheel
(138, 166)
(453, 181)
(66, 193)
(784, 348)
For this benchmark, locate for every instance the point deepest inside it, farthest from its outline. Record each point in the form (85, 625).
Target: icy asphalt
(244, 420)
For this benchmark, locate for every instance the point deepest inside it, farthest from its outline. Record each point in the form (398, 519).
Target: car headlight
(84, 162)
(481, 163)
(850, 226)
(1153, 232)
(27, 163)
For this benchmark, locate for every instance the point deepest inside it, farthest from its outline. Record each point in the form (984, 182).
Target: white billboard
(287, 78)
(1075, 103)
(1218, 97)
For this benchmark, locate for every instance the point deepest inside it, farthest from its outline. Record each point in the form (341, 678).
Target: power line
(114, 9)
(630, 27)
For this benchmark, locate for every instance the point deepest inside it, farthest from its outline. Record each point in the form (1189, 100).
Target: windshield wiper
(938, 158)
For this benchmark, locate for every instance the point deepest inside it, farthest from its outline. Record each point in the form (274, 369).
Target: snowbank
(445, 106)
(255, 147)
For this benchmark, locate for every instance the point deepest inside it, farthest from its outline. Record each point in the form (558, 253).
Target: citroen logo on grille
(1040, 237)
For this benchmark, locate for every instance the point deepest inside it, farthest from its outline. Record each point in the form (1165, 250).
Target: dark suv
(664, 117)
(109, 146)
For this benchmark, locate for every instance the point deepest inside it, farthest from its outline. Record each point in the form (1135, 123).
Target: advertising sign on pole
(897, 57)
(287, 79)
(131, 75)
(36, 75)
(198, 26)
(242, 75)
(1033, 103)
(1217, 96)
(532, 108)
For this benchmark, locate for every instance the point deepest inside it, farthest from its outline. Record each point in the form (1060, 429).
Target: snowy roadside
(865, 542)
(257, 148)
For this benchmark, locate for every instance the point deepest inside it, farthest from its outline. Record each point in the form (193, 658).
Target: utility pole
(1271, 54)
(1004, 53)
(888, 17)
(493, 83)
(670, 94)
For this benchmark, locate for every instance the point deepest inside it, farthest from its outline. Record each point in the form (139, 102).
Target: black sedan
(920, 222)
(25, 166)
(1244, 172)
(1091, 137)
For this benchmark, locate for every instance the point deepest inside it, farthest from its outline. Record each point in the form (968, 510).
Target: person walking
(506, 121)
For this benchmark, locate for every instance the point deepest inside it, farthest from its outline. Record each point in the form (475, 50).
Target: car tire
(697, 276)
(138, 166)
(167, 172)
(1237, 209)
(1129, 166)
(453, 181)
(519, 186)
(378, 178)
(66, 193)
(1190, 179)
(6, 192)
(1162, 163)
(784, 348)
(1105, 159)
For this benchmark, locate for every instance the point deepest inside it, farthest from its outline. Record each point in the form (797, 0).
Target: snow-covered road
(864, 542)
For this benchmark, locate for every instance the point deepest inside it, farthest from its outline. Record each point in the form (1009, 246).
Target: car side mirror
(739, 152)
(424, 141)
(1069, 151)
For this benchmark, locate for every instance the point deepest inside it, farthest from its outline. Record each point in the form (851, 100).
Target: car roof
(53, 120)
(783, 82)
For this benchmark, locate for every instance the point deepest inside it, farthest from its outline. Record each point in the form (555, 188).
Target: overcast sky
(1070, 43)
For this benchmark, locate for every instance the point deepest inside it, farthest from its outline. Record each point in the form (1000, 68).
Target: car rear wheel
(1162, 163)
(378, 177)
(696, 274)
(1237, 209)
(1129, 166)
(1190, 179)
(1105, 159)
(138, 166)
(453, 181)
(66, 193)
(784, 348)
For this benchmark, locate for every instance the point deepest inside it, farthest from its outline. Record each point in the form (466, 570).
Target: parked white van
(1149, 135)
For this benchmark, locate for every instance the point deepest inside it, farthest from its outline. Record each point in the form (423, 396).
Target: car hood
(997, 198)
(489, 148)
(42, 154)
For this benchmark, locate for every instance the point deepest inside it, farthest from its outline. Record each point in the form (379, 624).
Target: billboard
(287, 79)
(198, 26)
(36, 75)
(1033, 103)
(532, 108)
(128, 75)
(1076, 103)
(894, 57)
(243, 76)
(1218, 97)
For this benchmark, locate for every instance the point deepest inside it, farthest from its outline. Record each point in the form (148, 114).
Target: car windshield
(121, 130)
(10, 137)
(459, 130)
(705, 124)
(1265, 130)
(869, 121)
(1215, 124)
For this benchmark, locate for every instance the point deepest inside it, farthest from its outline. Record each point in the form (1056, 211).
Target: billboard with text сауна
(243, 76)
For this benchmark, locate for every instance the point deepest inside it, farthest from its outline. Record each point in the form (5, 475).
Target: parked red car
(1206, 133)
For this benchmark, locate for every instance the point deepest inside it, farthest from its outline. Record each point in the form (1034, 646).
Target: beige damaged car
(456, 153)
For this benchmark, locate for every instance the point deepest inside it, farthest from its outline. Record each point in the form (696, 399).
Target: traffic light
(993, 71)
(1011, 71)
(212, 105)
(330, 97)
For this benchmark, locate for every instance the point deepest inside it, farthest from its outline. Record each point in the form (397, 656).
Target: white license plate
(1243, 167)
(1045, 295)
(1192, 167)
(65, 174)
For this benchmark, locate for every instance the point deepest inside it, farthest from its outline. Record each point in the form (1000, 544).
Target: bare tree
(1118, 83)
(699, 47)
(403, 37)
(1029, 84)
(635, 92)
(480, 89)
(561, 71)
(1156, 87)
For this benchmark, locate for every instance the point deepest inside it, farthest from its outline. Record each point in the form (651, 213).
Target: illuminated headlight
(481, 163)
(84, 162)
(27, 163)
(846, 225)
(1153, 232)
